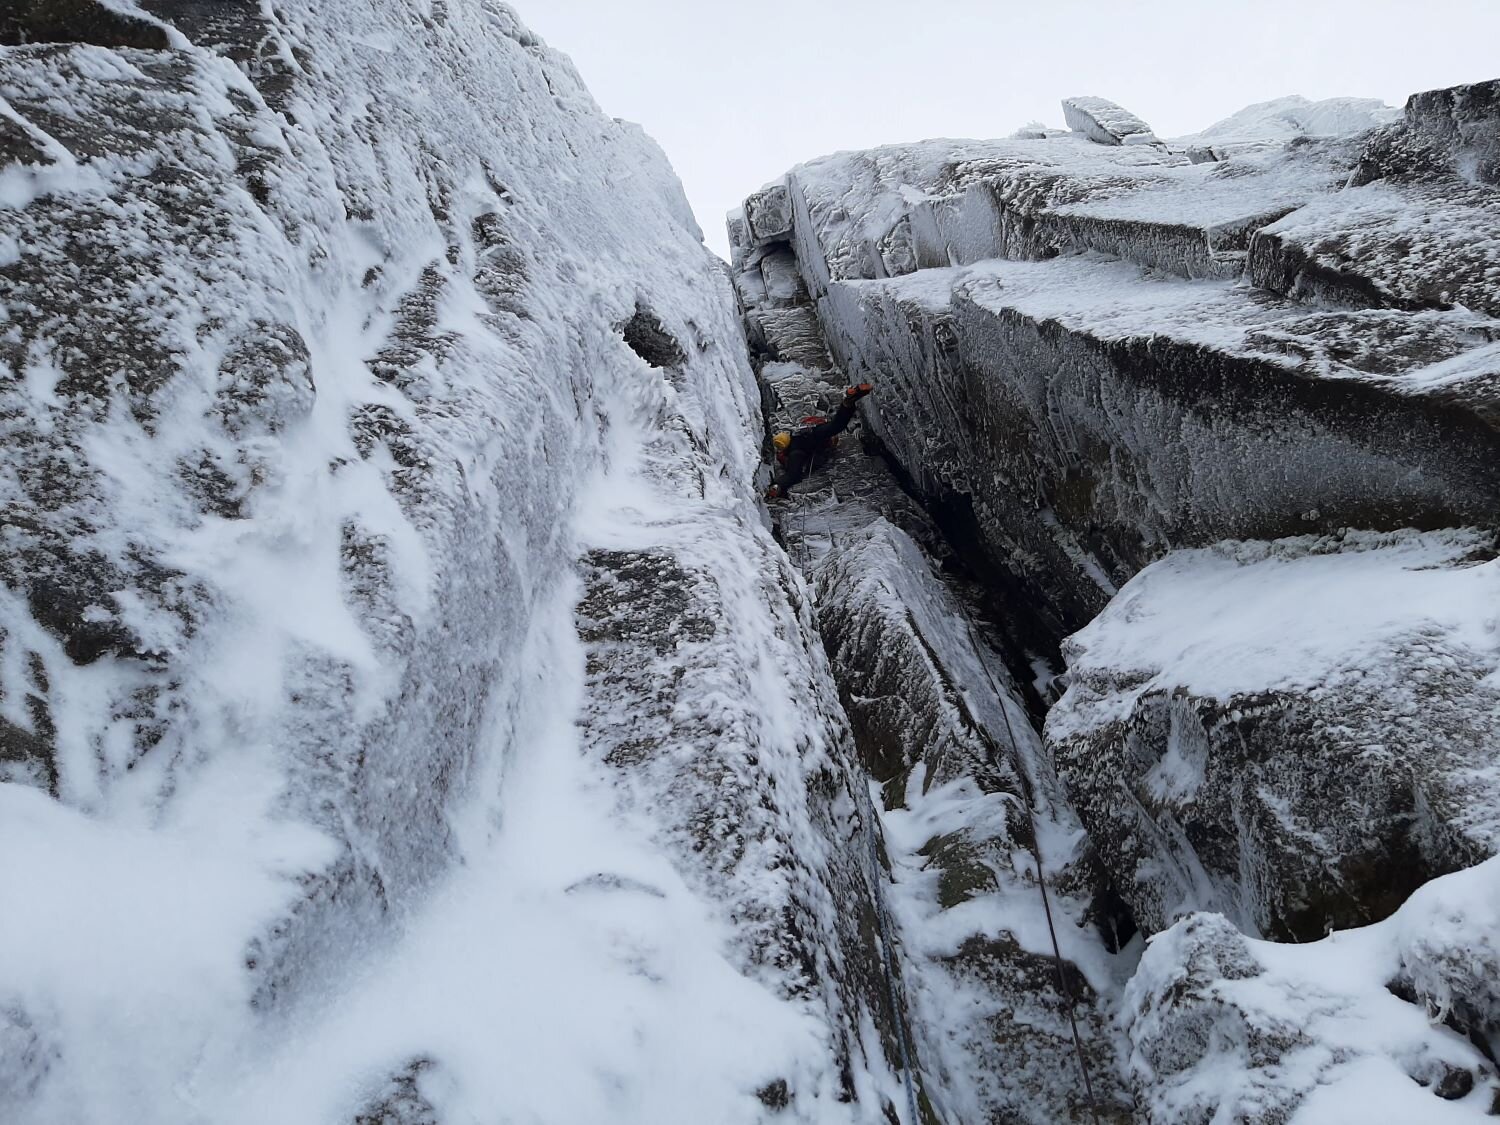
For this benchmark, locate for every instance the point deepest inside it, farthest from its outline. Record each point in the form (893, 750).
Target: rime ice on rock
(403, 706)
(1097, 361)
(1105, 122)
(1297, 684)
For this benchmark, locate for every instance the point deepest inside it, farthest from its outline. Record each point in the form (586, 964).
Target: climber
(798, 451)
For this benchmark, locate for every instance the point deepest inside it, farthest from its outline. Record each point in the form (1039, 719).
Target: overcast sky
(739, 92)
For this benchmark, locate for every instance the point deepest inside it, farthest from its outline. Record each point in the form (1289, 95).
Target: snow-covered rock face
(378, 710)
(1296, 734)
(1106, 123)
(933, 709)
(1094, 414)
(1198, 393)
(1243, 1030)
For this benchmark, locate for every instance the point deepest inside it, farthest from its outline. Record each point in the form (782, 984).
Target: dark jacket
(811, 442)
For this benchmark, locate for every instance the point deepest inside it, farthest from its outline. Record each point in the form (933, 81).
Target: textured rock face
(1225, 1027)
(1296, 734)
(1417, 227)
(371, 456)
(1200, 399)
(1094, 415)
(1106, 123)
(989, 1010)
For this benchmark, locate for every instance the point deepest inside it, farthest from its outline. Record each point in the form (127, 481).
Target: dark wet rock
(649, 338)
(77, 21)
(401, 1100)
(775, 1095)
(241, 30)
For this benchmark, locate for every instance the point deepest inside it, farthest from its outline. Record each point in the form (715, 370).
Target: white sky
(738, 92)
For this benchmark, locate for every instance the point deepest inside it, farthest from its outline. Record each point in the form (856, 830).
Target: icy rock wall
(1325, 675)
(1089, 357)
(336, 335)
(1095, 414)
(989, 1002)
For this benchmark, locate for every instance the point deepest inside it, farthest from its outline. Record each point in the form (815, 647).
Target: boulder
(1225, 1027)
(1296, 734)
(1105, 123)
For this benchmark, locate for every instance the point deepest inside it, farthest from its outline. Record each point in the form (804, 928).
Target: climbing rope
(888, 956)
(1027, 796)
(795, 524)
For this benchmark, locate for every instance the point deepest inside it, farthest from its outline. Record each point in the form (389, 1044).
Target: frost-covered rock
(1224, 1027)
(1105, 123)
(360, 380)
(768, 215)
(1419, 227)
(1093, 414)
(989, 1008)
(1280, 120)
(1093, 355)
(1296, 734)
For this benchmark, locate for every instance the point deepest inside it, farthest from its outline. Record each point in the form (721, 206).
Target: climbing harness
(795, 526)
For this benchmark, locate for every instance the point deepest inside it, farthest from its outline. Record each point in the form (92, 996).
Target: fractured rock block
(1466, 120)
(1297, 734)
(769, 213)
(1106, 123)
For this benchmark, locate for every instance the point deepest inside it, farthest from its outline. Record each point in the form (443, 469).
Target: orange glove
(860, 391)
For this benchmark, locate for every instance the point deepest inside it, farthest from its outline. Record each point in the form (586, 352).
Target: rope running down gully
(1026, 797)
(887, 942)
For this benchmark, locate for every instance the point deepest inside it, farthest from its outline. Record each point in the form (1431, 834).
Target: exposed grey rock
(77, 21)
(1417, 227)
(401, 1100)
(769, 215)
(657, 636)
(316, 370)
(1086, 445)
(1228, 1028)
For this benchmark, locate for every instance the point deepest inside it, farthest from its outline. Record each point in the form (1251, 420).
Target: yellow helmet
(782, 441)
